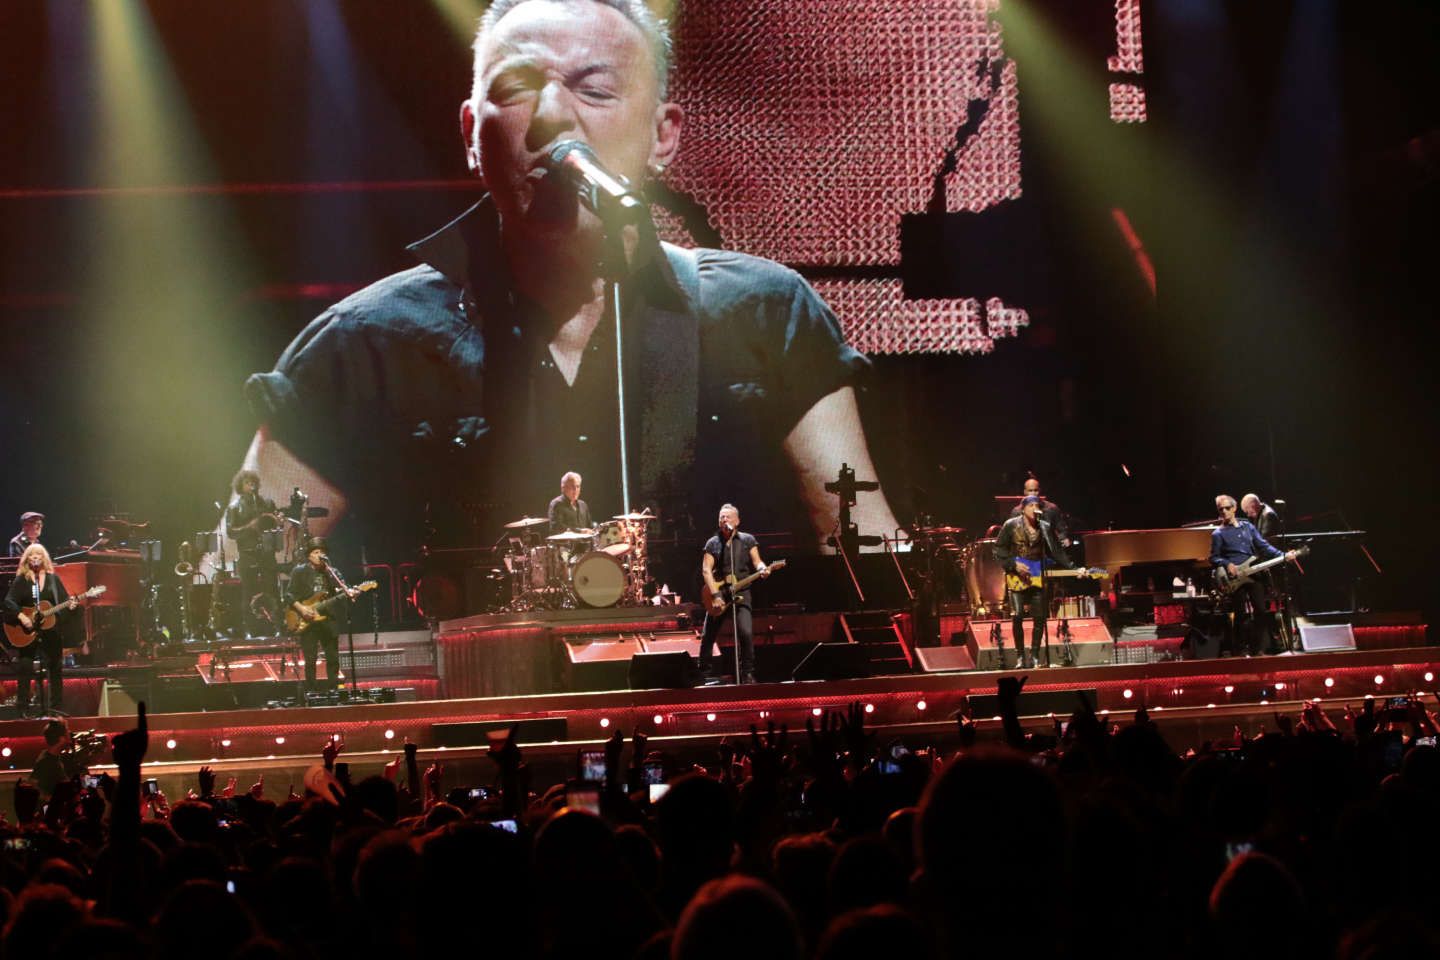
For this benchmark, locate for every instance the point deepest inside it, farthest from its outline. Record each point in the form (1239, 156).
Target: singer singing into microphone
(451, 395)
(730, 553)
(311, 582)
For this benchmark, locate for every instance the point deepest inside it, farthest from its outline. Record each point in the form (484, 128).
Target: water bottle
(1189, 586)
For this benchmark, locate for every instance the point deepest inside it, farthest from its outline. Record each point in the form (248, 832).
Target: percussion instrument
(598, 579)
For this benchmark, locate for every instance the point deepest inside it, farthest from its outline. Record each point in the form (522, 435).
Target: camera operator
(65, 757)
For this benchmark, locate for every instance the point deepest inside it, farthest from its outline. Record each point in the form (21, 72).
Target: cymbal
(569, 536)
(635, 516)
(933, 531)
(525, 522)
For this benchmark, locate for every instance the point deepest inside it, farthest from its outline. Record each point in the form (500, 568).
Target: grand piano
(1173, 547)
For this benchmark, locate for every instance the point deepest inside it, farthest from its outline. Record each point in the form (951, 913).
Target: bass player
(1232, 543)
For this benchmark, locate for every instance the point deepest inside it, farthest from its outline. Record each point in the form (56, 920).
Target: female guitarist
(35, 583)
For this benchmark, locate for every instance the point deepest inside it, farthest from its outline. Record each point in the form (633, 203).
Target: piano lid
(1118, 548)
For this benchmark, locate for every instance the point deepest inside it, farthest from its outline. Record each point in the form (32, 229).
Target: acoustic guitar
(296, 624)
(43, 617)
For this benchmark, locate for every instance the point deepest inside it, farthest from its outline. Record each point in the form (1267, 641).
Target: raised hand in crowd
(206, 778)
(965, 723)
(331, 750)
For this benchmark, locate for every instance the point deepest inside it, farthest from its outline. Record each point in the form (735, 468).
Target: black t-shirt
(735, 551)
(433, 393)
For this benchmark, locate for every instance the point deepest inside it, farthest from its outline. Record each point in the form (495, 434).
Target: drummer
(568, 511)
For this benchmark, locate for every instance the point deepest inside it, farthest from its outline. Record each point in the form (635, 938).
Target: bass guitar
(1228, 583)
(1035, 572)
(321, 604)
(43, 617)
(718, 603)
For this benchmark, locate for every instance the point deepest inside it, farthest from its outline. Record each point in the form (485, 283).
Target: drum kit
(982, 577)
(601, 566)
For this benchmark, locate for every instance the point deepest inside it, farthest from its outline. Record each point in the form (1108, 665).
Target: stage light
(1369, 696)
(658, 719)
(1329, 681)
(1314, 699)
(1127, 693)
(869, 708)
(170, 744)
(1229, 689)
(764, 714)
(5, 752)
(1209, 706)
(1379, 679)
(1279, 684)
(604, 722)
(1429, 676)
(225, 743)
(1158, 708)
(279, 741)
(1263, 701)
(1105, 712)
(998, 718)
(1181, 691)
(816, 711)
(710, 717)
(389, 734)
(334, 738)
(921, 705)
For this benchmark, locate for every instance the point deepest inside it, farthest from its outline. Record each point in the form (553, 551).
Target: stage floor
(1193, 700)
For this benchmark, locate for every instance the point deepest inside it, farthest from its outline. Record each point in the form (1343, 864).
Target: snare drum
(598, 580)
(613, 539)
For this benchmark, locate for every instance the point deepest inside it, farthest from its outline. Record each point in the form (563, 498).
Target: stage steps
(878, 633)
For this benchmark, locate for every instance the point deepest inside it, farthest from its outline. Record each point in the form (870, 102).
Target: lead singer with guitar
(729, 553)
(1024, 546)
(36, 582)
(310, 583)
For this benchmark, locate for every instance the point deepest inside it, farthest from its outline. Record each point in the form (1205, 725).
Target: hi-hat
(635, 516)
(525, 522)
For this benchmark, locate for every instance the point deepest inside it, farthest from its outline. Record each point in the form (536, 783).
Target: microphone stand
(613, 266)
(349, 627)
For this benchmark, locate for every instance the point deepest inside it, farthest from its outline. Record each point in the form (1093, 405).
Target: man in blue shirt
(1232, 543)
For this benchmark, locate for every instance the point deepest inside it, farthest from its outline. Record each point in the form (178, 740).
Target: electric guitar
(295, 624)
(718, 603)
(1227, 583)
(43, 617)
(1035, 572)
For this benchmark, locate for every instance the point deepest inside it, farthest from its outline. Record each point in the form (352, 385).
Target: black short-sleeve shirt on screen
(433, 393)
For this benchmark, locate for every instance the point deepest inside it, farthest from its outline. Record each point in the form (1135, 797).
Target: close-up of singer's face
(551, 71)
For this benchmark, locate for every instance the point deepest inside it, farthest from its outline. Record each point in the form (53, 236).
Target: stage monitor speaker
(1062, 703)
(1090, 641)
(471, 733)
(834, 661)
(944, 659)
(662, 671)
(1315, 638)
(592, 664)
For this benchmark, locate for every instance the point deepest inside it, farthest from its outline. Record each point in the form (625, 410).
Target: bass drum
(598, 580)
(984, 578)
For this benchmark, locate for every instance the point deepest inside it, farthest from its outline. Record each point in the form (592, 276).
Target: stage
(1193, 700)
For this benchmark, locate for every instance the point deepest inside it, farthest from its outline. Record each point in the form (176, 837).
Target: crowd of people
(1312, 839)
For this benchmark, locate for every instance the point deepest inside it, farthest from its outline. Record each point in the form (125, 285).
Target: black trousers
(257, 577)
(1250, 611)
(48, 651)
(321, 637)
(1034, 598)
(742, 619)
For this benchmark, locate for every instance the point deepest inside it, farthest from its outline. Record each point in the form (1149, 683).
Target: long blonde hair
(47, 566)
